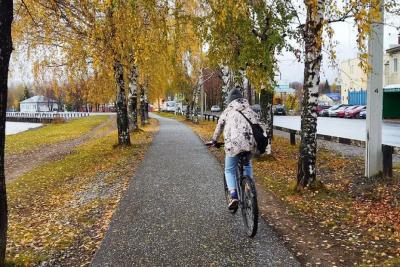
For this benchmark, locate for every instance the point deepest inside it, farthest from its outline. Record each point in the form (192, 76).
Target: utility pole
(373, 157)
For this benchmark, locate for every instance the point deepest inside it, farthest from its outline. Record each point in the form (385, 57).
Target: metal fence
(43, 117)
(64, 115)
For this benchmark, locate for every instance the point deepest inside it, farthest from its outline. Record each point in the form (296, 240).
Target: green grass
(171, 115)
(51, 134)
(52, 206)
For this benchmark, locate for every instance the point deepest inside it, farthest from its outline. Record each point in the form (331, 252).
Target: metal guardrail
(387, 150)
(43, 117)
(64, 115)
(210, 117)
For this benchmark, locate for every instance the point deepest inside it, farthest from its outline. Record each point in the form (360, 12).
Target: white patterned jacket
(238, 135)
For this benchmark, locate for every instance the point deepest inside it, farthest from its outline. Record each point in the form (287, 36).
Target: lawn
(51, 133)
(59, 211)
(350, 217)
(170, 115)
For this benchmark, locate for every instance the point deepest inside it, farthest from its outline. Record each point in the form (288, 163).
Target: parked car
(256, 108)
(321, 108)
(215, 108)
(354, 113)
(334, 112)
(325, 112)
(342, 112)
(169, 106)
(363, 114)
(279, 110)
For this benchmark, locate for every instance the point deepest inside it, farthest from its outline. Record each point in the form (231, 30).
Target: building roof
(392, 50)
(39, 99)
(334, 96)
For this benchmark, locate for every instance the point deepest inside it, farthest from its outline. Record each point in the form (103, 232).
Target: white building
(392, 64)
(38, 104)
(352, 78)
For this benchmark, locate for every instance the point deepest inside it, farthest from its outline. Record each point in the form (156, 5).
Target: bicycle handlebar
(217, 144)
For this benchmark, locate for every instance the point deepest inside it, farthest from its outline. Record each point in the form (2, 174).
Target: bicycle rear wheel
(249, 206)
(228, 196)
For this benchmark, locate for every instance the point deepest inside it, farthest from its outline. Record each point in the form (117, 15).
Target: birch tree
(6, 18)
(247, 36)
(313, 30)
(227, 84)
(320, 14)
(132, 96)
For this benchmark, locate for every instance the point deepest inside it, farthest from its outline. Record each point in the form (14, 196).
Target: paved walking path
(174, 213)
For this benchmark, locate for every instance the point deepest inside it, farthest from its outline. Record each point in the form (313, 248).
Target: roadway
(347, 128)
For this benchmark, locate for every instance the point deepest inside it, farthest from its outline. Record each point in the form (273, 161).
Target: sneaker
(233, 203)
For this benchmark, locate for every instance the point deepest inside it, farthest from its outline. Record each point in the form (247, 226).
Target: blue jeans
(231, 164)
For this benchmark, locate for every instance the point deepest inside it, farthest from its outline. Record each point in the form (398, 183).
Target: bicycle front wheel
(249, 206)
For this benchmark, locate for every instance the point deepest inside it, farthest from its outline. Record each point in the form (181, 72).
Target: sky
(290, 69)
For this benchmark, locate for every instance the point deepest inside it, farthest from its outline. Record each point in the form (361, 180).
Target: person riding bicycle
(238, 138)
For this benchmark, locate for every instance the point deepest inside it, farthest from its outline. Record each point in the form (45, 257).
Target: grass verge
(59, 211)
(352, 221)
(170, 115)
(51, 133)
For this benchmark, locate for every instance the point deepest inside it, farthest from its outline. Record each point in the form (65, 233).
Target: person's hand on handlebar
(214, 144)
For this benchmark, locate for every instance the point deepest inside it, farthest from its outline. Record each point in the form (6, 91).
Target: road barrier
(387, 160)
(387, 150)
(43, 117)
(210, 117)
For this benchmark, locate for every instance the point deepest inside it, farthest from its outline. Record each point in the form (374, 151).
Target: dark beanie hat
(234, 94)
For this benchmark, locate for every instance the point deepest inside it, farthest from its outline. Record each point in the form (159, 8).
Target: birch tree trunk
(147, 109)
(196, 95)
(248, 91)
(146, 104)
(267, 116)
(306, 172)
(142, 106)
(188, 108)
(132, 96)
(6, 17)
(226, 85)
(122, 110)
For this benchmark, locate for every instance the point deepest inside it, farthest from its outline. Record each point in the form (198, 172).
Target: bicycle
(247, 194)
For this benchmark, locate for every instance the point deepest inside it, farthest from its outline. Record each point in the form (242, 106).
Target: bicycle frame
(243, 158)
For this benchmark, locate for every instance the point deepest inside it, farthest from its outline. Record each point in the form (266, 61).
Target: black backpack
(259, 136)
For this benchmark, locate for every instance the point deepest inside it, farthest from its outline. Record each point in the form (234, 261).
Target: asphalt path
(174, 213)
(346, 128)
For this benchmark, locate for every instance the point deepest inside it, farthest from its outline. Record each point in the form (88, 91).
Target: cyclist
(238, 138)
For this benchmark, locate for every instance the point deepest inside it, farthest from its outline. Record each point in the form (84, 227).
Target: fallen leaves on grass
(51, 133)
(59, 211)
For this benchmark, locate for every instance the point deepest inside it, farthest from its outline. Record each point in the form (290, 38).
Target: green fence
(391, 103)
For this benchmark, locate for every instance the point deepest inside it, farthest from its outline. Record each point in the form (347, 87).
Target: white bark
(227, 83)
(122, 111)
(306, 175)
(132, 97)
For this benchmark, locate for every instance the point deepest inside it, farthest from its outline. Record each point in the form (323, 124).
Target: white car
(170, 106)
(215, 108)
